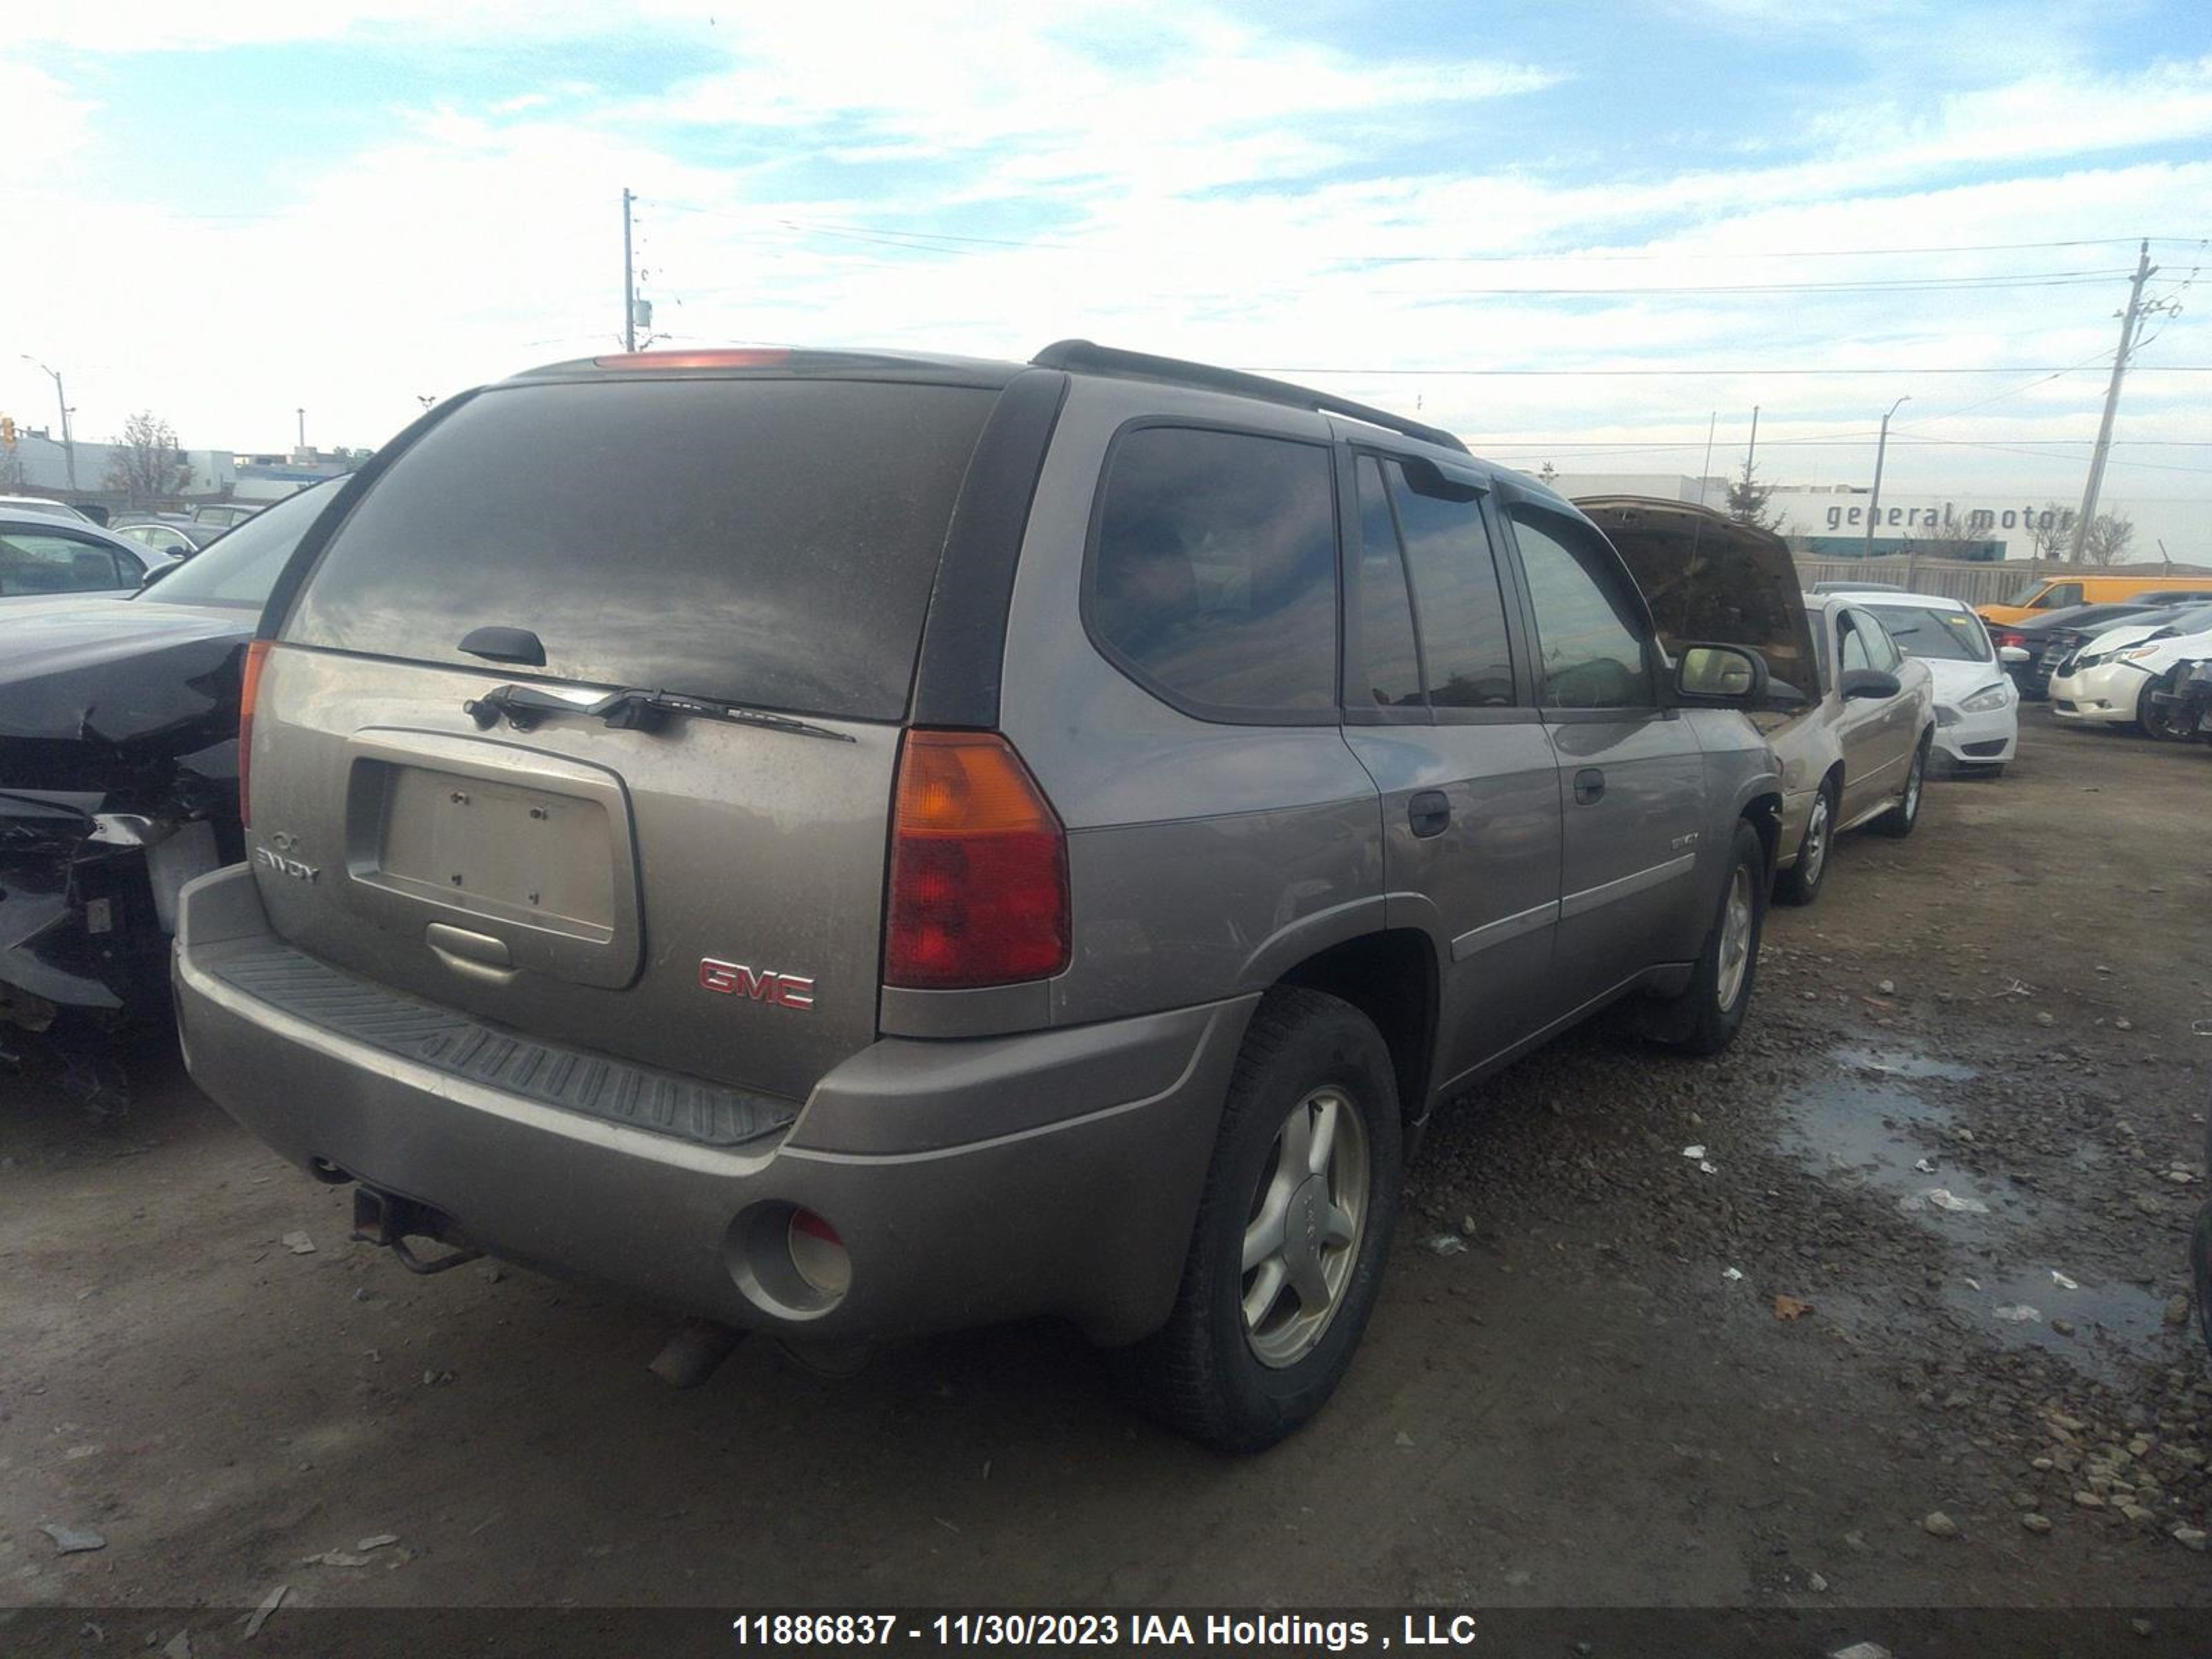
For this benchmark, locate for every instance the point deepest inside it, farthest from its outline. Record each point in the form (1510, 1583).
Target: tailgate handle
(476, 950)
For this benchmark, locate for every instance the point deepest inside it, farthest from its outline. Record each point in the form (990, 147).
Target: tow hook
(389, 1220)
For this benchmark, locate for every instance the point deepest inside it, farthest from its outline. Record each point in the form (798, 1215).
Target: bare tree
(12, 469)
(1951, 540)
(2053, 531)
(148, 466)
(2108, 539)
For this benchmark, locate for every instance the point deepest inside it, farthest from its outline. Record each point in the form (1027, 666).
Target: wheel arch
(1391, 977)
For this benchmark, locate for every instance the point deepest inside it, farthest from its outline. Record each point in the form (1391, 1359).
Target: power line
(1528, 374)
(925, 238)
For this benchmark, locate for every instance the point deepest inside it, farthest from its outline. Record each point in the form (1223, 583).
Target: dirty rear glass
(768, 542)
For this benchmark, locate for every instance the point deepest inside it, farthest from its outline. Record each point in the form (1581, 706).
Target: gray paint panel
(1169, 915)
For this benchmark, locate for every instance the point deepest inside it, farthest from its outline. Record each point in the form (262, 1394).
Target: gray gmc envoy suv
(851, 845)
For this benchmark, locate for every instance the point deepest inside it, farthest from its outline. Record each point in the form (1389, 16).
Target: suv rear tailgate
(694, 893)
(570, 881)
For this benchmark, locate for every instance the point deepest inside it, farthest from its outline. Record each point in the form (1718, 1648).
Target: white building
(42, 466)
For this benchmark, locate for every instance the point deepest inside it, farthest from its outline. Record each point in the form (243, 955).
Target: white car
(2107, 682)
(42, 507)
(1977, 705)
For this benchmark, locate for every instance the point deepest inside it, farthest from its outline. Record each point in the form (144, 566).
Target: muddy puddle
(1874, 1120)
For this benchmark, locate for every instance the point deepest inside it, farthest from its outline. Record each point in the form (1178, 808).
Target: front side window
(1590, 648)
(1855, 654)
(1881, 650)
(34, 561)
(1213, 580)
(2063, 593)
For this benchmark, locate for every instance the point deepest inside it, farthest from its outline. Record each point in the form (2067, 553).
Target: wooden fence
(1983, 582)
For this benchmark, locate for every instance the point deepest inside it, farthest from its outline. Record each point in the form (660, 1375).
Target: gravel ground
(1606, 1373)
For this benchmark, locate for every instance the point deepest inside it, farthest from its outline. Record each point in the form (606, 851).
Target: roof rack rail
(1085, 357)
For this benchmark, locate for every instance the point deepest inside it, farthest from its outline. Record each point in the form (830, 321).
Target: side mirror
(154, 574)
(2012, 656)
(1868, 683)
(1721, 673)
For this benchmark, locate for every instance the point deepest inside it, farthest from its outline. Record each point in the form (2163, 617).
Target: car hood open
(1707, 577)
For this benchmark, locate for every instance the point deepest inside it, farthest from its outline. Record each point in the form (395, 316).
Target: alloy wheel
(1308, 1217)
(1736, 939)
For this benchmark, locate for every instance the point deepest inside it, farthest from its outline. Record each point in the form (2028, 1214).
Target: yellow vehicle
(2070, 587)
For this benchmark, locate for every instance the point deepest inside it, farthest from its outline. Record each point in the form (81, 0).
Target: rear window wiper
(632, 710)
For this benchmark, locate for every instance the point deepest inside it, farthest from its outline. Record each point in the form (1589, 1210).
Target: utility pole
(630, 280)
(2128, 318)
(302, 414)
(1874, 504)
(68, 442)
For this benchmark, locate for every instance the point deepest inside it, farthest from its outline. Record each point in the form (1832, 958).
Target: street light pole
(68, 442)
(630, 280)
(1873, 505)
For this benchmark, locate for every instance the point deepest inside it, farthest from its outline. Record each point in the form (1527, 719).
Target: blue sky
(255, 207)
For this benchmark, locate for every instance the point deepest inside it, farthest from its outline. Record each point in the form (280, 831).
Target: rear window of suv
(768, 543)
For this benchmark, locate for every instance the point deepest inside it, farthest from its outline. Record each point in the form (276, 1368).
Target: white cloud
(1208, 191)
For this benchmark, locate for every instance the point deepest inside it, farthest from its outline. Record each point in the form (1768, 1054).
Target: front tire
(1710, 1011)
(1287, 1258)
(1800, 882)
(1901, 820)
(2151, 720)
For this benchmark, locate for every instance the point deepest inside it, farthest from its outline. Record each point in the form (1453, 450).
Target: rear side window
(239, 569)
(770, 542)
(34, 562)
(1591, 650)
(1213, 578)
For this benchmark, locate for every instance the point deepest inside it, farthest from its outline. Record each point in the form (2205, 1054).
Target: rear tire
(1215, 1371)
(1721, 983)
(1800, 882)
(1900, 821)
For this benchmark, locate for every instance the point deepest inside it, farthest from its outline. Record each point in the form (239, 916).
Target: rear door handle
(1429, 812)
(1589, 785)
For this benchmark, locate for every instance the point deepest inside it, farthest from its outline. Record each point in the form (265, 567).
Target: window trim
(1655, 660)
(1211, 713)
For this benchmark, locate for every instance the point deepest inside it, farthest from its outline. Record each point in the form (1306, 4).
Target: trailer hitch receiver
(387, 1219)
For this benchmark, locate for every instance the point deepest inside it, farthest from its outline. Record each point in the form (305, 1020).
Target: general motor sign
(1966, 521)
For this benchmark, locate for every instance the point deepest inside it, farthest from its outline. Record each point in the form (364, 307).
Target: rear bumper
(1073, 1194)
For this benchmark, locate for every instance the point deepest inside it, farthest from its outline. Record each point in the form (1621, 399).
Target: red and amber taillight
(978, 887)
(249, 692)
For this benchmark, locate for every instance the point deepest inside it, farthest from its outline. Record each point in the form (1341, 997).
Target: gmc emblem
(731, 979)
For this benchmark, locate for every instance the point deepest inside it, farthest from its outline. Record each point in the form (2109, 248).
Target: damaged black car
(119, 783)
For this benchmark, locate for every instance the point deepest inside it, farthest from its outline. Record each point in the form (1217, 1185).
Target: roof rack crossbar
(1086, 356)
